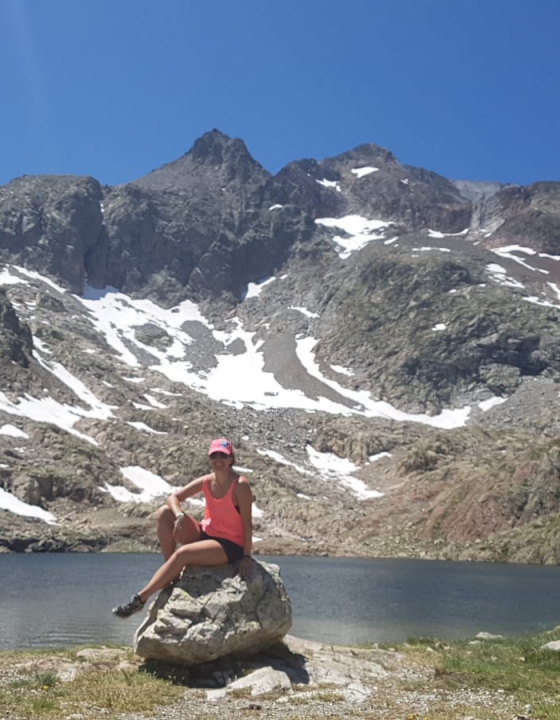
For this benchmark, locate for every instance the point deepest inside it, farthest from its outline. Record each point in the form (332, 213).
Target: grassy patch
(514, 666)
(106, 691)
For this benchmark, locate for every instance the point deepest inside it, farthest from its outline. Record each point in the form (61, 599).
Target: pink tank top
(221, 519)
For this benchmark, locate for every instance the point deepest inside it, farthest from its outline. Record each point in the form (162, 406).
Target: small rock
(554, 645)
(487, 636)
(263, 681)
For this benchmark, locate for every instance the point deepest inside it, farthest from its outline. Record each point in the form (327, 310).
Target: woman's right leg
(206, 552)
(169, 536)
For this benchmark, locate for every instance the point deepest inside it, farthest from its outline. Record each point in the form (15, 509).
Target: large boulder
(213, 612)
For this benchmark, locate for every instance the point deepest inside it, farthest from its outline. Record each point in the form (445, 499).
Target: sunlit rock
(213, 612)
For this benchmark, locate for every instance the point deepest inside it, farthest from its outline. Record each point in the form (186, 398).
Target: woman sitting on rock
(224, 535)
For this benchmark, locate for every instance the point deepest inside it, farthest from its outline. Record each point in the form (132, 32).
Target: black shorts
(233, 551)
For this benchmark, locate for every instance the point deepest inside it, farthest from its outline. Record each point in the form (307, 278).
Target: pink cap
(221, 445)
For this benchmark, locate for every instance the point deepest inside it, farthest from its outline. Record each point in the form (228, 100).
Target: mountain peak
(216, 148)
(212, 144)
(213, 150)
(371, 153)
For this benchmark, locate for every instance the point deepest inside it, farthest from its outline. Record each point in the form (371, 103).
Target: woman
(224, 536)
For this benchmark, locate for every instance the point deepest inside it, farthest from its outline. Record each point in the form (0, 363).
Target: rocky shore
(297, 680)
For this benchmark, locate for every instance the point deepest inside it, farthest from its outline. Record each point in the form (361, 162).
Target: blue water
(49, 600)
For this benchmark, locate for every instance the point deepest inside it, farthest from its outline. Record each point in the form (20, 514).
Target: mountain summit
(380, 343)
(214, 158)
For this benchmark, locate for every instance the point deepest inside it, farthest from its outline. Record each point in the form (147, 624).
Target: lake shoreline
(418, 679)
(123, 534)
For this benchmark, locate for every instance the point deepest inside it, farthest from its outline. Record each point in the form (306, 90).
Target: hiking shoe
(135, 604)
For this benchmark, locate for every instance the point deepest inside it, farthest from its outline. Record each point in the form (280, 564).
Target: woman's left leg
(169, 534)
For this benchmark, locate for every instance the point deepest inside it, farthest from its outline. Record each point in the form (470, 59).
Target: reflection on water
(57, 600)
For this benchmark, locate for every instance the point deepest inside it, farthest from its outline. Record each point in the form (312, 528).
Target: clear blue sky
(116, 88)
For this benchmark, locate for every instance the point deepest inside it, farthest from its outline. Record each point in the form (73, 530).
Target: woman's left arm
(245, 502)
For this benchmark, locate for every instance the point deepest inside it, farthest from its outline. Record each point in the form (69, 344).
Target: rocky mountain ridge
(379, 341)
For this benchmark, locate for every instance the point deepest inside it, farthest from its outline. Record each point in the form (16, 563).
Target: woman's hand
(178, 526)
(246, 566)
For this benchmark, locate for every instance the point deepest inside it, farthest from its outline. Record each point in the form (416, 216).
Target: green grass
(105, 690)
(516, 666)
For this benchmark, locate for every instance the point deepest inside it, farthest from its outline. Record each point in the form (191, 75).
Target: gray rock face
(53, 224)
(203, 225)
(16, 344)
(199, 226)
(530, 217)
(213, 612)
(370, 181)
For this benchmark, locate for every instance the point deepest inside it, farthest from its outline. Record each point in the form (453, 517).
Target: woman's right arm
(175, 499)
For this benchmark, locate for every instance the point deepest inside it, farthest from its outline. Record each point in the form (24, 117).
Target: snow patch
(12, 504)
(379, 456)
(499, 275)
(255, 289)
(283, 461)
(436, 234)
(363, 171)
(13, 431)
(330, 184)
(332, 467)
(342, 370)
(485, 405)
(154, 402)
(304, 311)
(151, 486)
(509, 252)
(360, 230)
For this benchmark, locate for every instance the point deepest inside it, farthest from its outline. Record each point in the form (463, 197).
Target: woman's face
(220, 459)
